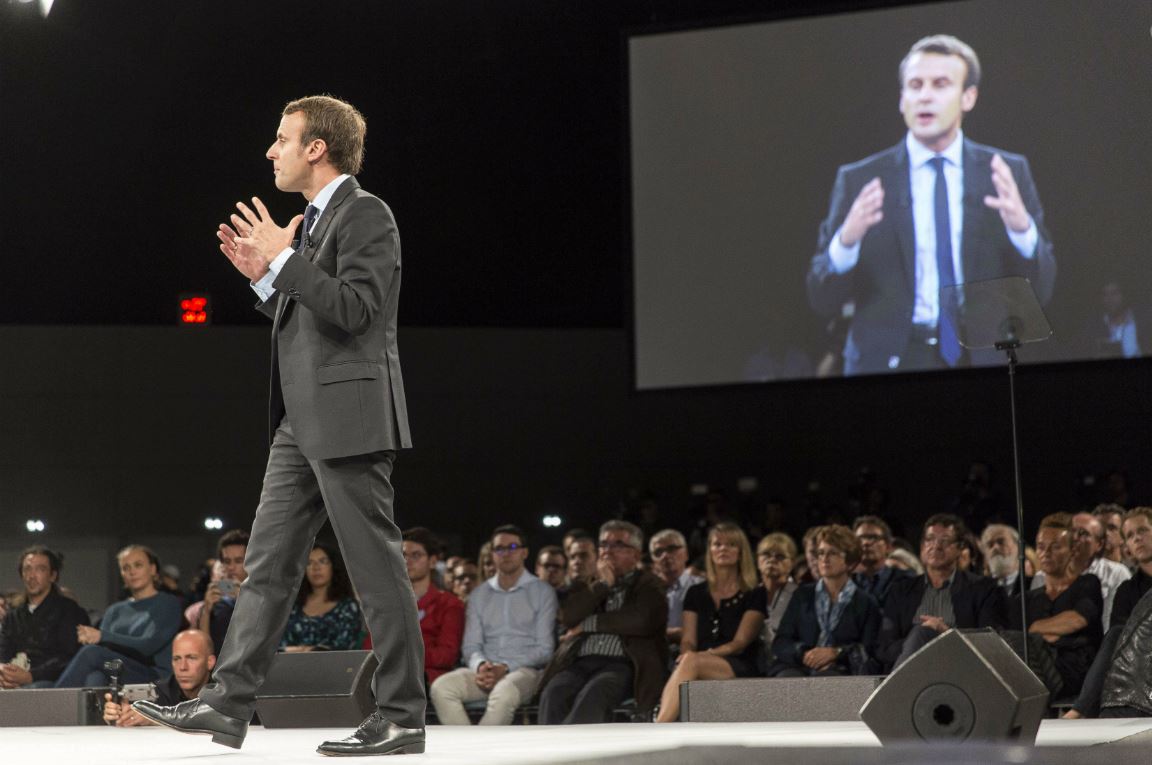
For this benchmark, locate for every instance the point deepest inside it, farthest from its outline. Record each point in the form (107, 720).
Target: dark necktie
(946, 324)
(310, 215)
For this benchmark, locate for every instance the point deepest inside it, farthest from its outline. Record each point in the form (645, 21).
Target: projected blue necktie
(946, 324)
(310, 214)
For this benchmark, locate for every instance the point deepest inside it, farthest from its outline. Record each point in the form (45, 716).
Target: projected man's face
(289, 162)
(933, 98)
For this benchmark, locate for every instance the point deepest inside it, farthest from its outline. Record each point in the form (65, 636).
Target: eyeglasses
(658, 552)
(616, 546)
(939, 541)
(464, 578)
(506, 549)
(870, 537)
(829, 553)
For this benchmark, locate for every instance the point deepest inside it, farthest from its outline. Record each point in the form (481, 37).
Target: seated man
(923, 607)
(508, 638)
(441, 613)
(669, 552)
(193, 657)
(1123, 659)
(581, 552)
(138, 630)
(1064, 613)
(465, 577)
(551, 565)
(43, 627)
(873, 574)
(214, 613)
(614, 645)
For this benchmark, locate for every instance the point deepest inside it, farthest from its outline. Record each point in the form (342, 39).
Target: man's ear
(317, 149)
(968, 98)
(211, 662)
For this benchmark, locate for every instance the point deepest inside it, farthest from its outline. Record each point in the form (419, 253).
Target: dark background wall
(496, 130)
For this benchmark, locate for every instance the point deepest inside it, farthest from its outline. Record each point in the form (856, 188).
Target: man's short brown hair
(338, 124)
(1137, 512)
(1061, 521)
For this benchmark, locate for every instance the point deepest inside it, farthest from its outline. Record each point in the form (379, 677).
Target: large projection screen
(736, 135)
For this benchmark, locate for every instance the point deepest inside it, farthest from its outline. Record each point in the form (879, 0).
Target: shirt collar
(325, 196)
(919, 154)
(525, 576)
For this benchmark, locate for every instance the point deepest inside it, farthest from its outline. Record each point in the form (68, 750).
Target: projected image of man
(935, 210)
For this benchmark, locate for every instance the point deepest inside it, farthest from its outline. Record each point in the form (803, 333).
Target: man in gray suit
(337, 418)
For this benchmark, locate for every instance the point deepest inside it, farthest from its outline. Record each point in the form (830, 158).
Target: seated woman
(138, 631)
(723, 617)
(326, 616)
(775, 556)
(1064, 616)
(830, 627)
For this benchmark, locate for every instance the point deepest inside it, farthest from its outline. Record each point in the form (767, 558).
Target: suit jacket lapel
(977, 185)
(898, 183)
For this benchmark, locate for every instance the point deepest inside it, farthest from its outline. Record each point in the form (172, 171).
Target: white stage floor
(511, 745)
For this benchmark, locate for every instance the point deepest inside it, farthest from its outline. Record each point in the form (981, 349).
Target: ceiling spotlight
(213, 524)
(34, 525)
(552, 521)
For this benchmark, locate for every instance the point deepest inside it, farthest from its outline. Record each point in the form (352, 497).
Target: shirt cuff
(1025, 242)
(475, 662)
(264, 287)
(843, 258)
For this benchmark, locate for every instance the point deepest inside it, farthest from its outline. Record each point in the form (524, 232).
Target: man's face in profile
(933, 99)
(289, 164)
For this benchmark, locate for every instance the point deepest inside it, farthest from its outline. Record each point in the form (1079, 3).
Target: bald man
(193, 657)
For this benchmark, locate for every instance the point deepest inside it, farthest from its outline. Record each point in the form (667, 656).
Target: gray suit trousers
(357, 494)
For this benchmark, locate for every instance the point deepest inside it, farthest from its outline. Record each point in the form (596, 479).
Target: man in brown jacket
(614, 645)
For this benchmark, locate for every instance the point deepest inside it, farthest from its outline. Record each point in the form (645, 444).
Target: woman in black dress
(723, 617)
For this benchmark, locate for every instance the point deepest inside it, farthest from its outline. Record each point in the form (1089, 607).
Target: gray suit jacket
(335, 363)
(883, 282)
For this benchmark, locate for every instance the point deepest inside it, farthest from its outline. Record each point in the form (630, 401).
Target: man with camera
(220, 598)
(193, 657)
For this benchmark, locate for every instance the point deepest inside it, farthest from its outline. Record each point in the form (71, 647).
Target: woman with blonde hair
(774, 558)
(723, 617)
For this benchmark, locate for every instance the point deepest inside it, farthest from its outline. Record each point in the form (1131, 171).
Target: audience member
(1126, 671)
(1088, 540)
(170, 583)
(723, 618)
(614, 646)
(509, 635)
(830, 627)
(1112, 518)
(193, 657)
(465, 577)
(775, 555)
(42, 626)
(581, 552)
(1066, 612)
(215, 611)
(552, 565)
(808, 571)
(449, 567)
(669, 551)
(1000, 545)
(919, 609)
(138, 630)
(874, 574)
(326, 616)
(486, 562)
(441, 613)
(971, 558)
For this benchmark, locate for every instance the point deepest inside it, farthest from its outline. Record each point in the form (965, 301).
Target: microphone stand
(1009, 346)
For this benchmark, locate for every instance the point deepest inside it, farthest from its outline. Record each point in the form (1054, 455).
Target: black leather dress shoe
(195, 716)
(376, 736)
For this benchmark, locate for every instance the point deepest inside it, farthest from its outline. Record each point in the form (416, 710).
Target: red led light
(195, 309)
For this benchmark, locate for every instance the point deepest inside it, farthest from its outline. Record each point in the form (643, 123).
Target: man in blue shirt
(508, 638)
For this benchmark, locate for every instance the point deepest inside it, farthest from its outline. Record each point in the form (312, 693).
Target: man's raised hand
(866, 211)
(254, 240)
(1007, 199)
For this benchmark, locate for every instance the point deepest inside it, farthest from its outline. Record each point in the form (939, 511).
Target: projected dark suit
(882, 284)
(337, 414)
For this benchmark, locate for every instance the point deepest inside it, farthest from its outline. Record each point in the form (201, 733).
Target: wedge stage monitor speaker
(963, 686)
(323, 689)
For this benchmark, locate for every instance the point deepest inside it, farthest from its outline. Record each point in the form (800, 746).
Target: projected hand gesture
(1007, 199)
(866, 212)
